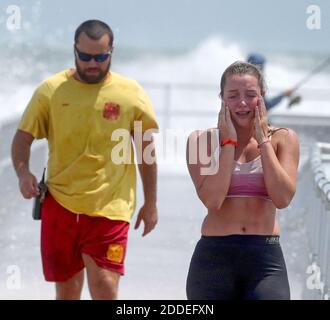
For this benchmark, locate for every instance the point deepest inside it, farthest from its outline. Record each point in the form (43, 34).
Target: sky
(175, 24)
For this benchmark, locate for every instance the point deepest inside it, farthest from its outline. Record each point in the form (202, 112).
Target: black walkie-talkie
(36, 212)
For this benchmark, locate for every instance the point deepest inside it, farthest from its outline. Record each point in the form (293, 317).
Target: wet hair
(241, 68)
(94, 29)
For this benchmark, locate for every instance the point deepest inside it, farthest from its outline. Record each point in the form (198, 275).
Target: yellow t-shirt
(89, 128)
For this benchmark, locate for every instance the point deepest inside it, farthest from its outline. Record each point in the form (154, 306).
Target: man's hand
(148, 213)
(288, 92)
(28, 185)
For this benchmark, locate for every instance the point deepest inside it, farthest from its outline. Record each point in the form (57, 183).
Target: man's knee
(105, 285)
(70, 289)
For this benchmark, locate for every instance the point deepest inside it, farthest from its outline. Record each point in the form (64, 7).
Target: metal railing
(312, 201)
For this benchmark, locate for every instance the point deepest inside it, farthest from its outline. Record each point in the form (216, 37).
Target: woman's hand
(225, 125)
(261, 121)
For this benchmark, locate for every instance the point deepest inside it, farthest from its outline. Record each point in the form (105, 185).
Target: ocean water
(26, 65)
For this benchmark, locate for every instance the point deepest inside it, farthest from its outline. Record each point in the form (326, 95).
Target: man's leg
(102, 283)
(70, 289)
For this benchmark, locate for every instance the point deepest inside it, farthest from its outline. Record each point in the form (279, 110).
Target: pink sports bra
(247, 180)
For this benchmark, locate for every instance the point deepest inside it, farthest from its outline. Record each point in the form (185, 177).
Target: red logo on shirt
(111, 111)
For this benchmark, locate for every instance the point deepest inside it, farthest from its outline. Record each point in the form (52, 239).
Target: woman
(239, 255)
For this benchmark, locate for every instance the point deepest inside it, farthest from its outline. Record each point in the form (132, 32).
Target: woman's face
(241, 94)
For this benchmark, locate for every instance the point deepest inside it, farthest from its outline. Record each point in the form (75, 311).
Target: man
(259, 60)
(83, 112)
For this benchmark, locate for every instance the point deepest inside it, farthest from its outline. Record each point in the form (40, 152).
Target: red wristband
(228, 141)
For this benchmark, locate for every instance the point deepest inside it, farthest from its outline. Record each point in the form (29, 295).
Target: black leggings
(236, 267)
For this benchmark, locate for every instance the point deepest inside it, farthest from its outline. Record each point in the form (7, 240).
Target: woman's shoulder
(285, 135)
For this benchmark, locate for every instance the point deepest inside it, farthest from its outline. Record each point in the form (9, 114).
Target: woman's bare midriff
(242, 216)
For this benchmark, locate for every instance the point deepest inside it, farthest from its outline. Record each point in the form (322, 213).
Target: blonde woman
(239, 254)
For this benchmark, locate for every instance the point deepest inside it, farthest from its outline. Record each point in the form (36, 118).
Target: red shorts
(66, 235)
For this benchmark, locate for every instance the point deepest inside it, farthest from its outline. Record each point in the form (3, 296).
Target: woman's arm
(211, 184)
(280, 170)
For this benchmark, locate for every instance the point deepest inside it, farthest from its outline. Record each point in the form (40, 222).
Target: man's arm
(274, 101)
(20, 152)
(148, 172)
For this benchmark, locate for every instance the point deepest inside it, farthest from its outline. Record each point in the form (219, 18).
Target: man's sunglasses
(88, 57)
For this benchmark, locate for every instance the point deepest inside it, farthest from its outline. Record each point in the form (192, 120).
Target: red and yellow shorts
(66, 235)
